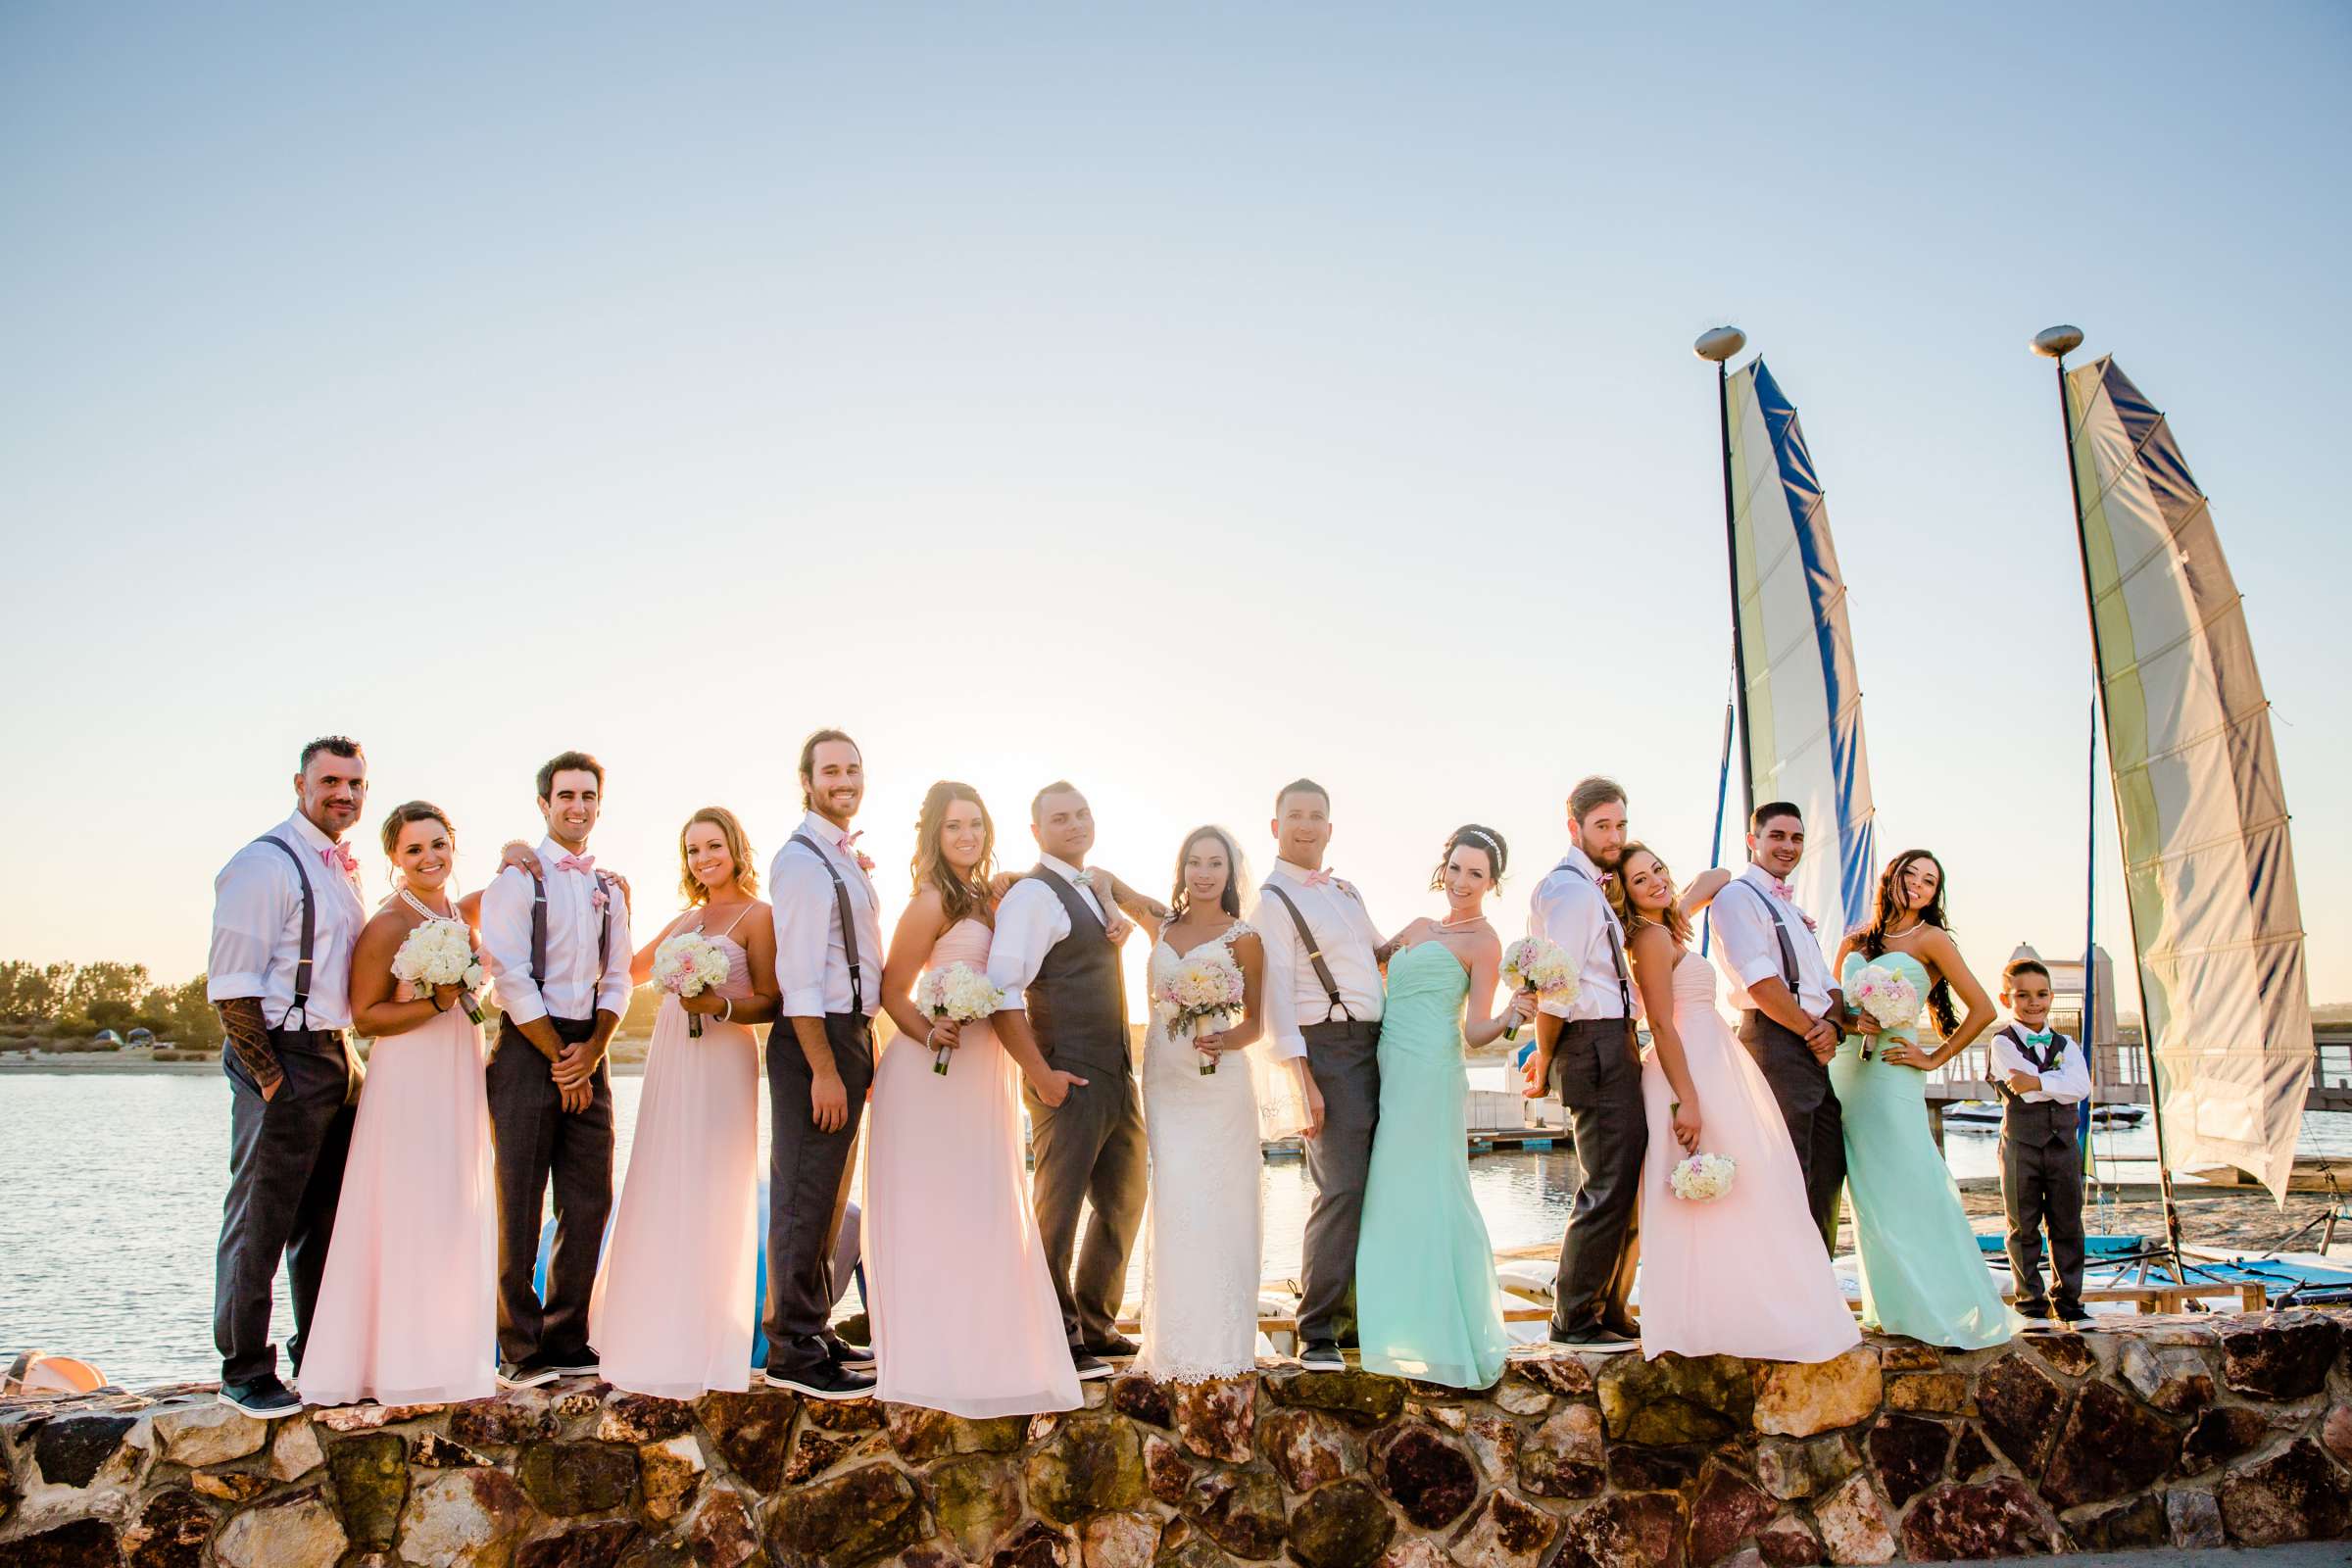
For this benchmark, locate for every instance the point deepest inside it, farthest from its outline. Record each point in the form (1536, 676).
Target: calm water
(113, 1186)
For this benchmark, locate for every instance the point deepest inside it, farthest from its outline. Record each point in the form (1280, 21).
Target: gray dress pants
(1596, 1071)
(807, 1188)
(2041, 1184)
(285, 1172)
(1089, 1150)
(1800, 1085)
(538, 1144)
(1345, 1058)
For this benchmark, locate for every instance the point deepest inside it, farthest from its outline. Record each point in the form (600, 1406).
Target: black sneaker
(1090, 1368)
(826, 1380)
(2033, 1312)
(2075, 1313)
(1117, 1348)
(578, 1365)
(1592, 1337)
(265, 1398)
(1322, 1355)
(850, 1358)
(527, 1373)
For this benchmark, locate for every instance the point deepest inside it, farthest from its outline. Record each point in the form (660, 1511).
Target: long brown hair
(739, 850)
(1230, 901)
(1675, 922)
(1871, 940)
(965, 898)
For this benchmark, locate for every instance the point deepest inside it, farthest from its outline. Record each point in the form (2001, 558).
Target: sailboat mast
(2055, 343)
(1719, 345)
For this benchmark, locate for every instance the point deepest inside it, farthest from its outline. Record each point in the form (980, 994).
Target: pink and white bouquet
(1532, 963)
(1702, 1178)
(1198, 995)
(1887, 996)
(440, 953)
(687, 964)
(959, 992)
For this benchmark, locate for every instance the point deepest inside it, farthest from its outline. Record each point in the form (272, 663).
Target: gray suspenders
(1609, 921)
(849, 921)
(1314, 955)
(604, 931)
(309, 928)
(1788, 970)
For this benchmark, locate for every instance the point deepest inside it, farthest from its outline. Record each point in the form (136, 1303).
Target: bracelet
(728, 1016)
(435, 999)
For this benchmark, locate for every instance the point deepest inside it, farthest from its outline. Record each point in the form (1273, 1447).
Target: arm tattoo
(249, 1037)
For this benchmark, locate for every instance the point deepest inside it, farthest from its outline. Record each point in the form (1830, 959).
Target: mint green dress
(1426, 1304)
(1923, 1274)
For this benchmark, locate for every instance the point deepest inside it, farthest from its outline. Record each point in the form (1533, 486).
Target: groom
(1584, 1050)
(1055, 958)
(1790, 1003)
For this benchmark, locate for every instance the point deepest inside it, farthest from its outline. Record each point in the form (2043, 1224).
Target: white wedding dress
(1205, 1225)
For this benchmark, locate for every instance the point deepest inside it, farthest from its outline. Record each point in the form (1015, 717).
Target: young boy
(2042, 1078)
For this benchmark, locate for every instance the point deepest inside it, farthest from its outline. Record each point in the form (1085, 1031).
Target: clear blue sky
(1179, 400)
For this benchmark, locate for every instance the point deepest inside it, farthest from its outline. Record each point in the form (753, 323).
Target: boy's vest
(2037, 1121)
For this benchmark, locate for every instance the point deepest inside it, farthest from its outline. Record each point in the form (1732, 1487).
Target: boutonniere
(1085, 879)
(1605, 880)
(1811, 924)
(599, 900)
(865, 861)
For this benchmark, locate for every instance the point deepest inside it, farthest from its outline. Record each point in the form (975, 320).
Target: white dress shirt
(256, 928)
(2068, 1082)
(1293, 995)
(812, 963)
(1572, 913)
(1030, 924)
(1747, 950)
(574, 987)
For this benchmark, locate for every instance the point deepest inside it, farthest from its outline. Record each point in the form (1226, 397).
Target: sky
(1176, 399)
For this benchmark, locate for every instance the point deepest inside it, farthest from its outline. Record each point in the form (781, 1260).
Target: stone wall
(2193, 1431)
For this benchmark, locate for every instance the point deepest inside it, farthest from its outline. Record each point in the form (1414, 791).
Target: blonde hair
(1677, 923)
(739, 850)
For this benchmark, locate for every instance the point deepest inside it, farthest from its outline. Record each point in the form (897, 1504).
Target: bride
(1202, 1248)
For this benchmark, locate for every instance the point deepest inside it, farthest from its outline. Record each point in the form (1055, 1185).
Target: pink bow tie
(1783, 891)
(585, 864)
(339, 855)
(1317, 879)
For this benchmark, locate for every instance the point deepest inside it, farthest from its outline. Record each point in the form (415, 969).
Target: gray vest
(2037, 1121)
(1078, 1002)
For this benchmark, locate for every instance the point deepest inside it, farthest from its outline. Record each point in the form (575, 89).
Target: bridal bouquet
(686, 965)
(440, 953)
(1197, 997)
(1887, 996)
(1702, 1178)
(959, 992)
(1532, 963)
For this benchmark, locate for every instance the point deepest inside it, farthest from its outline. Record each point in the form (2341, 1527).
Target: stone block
(2194, 1519)
(596, 1546)
(2021, 1408)
(2173, 1377)
(1118, 1540)
(1494, 1444)
(1345, 1525)
(1791, 1468)
(169, 1532)
(1637, 1530)
(1568, 1376)
(2070, 1352)
(1565, 1456)
(669, 1473)
(370, 1474)
(507, 1421)
(753, 1432)
(2137, 1525)
(720, 1533)
(295, 1532)
(1142, 1399)
(1425, 1474)
(295, 1451)
(2112, 1444)
(576, 1478)
(1797, 1399)
(1310, 1448)
(70, 1448)
(2296, 1494)
(1676, 1399)
(1218, 1420)
(2221, 1434)
(1999, 1519)
(82, 1544)
(1852, 1524)
(1241, 1510)
(642, 1418)
(2335, 1434)
(846, 1520)
(1089, 1466)
(1365, 1398)
(1936, 1393)
(1505, 1533)
(1908, 1452)
(466, 1518)
(207, 1433)
(1788, 1543)
(975, 1501)
(433, 1451)
(2279, 1355)
(1725, 1509)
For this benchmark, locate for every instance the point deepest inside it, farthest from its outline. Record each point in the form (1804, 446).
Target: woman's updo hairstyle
(1472, 836)
(415, 812)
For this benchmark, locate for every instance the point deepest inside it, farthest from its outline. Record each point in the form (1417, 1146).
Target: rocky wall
(2186, 1432)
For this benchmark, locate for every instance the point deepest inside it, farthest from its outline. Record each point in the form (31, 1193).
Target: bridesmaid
(406, 1312)
(963, 1313)
(1427, 1303)
(1923, 1274)
(677, 1289)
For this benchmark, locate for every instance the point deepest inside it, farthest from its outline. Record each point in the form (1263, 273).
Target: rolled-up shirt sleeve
(613, 988)
(1024, 931)
(249, 909)
(507, 945)
(803, 919)
(1278, 997)
(1744, 929)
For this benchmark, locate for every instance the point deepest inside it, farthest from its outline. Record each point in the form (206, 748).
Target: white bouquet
(1702, 1178)
(1886, 995)
(1197, 996)
(440, 953)
(1532, 963)
(686, 965)
(959, 992)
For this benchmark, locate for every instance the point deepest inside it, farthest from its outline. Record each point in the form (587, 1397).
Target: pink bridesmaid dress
(962, 1307)
(408, 1310)
(671, 1312)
